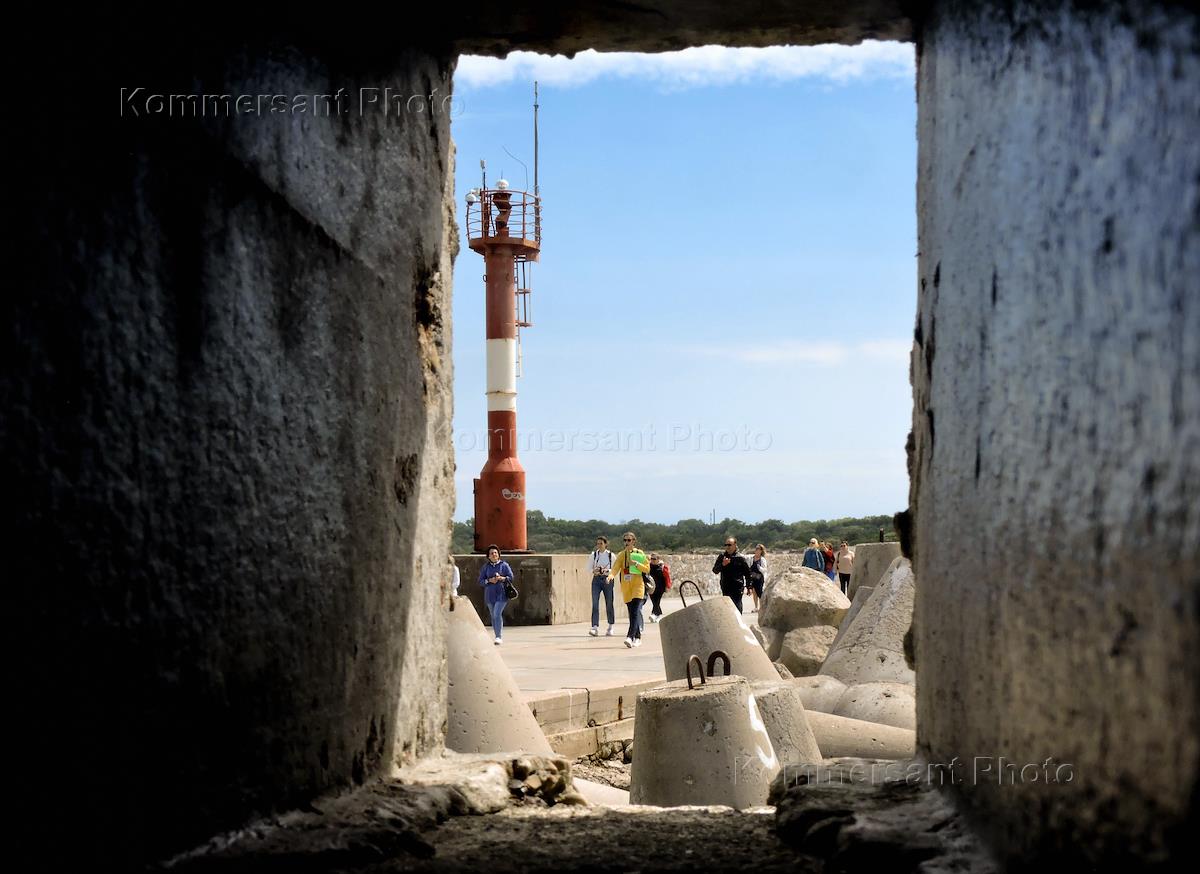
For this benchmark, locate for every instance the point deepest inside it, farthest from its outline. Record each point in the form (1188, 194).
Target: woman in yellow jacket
(628, 567)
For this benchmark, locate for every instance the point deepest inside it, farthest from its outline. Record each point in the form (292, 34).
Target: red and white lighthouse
(504, 226)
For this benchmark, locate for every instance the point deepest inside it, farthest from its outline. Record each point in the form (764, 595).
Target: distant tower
(505, 228)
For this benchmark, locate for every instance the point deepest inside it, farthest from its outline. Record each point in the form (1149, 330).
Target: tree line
(547, 534)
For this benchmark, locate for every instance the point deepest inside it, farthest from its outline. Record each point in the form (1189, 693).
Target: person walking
(734, 571)
(830, 561)
(629, 566)
(813, 556)
(845, 566)
(494, 576)
(758, 574)
(660, 572)
(602, 561)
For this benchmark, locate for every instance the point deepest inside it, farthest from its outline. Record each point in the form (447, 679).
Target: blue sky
(727, 291)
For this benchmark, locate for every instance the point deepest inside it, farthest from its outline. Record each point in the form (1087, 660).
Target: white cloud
(826, 353)
(699, 66)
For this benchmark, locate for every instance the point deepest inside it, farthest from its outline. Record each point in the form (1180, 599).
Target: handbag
(648, 582)
(510, 591)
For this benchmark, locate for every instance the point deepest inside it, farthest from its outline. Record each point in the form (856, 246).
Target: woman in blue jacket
(494, 576)
(814, 557)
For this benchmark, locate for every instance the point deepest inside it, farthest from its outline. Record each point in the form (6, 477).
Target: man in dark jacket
(734, 570)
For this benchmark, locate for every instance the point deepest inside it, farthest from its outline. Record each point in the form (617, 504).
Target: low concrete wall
(555, 589)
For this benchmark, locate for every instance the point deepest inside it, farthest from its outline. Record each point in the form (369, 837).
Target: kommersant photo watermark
(139, 101)
(995, 770)
(681, 438)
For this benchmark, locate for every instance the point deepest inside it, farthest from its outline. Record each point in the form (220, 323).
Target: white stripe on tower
(502, 373)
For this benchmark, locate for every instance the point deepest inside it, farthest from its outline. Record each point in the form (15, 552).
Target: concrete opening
(227, 403)
(655, 217)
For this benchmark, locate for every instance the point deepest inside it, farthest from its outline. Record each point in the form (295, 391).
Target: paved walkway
(546, 657)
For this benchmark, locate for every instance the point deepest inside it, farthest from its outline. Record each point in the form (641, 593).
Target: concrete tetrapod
(841, 736)
(486, 712)
(821, 692)
(871, 648)
(705, 626)
(870, 562)
(701, 742)
(885, 703)
(860, 598)
(782, 711)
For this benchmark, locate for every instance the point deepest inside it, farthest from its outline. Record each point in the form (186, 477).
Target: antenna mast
(537, 191)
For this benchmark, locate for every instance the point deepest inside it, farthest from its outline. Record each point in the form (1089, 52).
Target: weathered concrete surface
(861, 594)
(858, 814)
(820, 692)
(569, 838)
(662, 25)
(1056, 465)
(804, 649)
(872, 648)
(885, 703)
(554, 589)
(388, 819)
(703, 745)
(845, 736)
(870, 561)
(576, 743)
(485, 712)
(782, 710)
(801, 597)
(490, 782)
(706, 626)
(229, 488)
(771, 639)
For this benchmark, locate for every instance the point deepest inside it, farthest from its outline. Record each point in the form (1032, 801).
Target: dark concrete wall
(1057, 418)
(488, 28)
(226, 396)
(226, 401)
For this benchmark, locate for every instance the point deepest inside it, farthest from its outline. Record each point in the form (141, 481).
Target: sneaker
(629, 642)
(637, 641)
(594, 631)
(498, 641)
(609, 632)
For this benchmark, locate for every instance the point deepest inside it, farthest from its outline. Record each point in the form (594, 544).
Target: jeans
(845, 582)
(635, 618)
(493, 596)
(600, 584)
(656, 598)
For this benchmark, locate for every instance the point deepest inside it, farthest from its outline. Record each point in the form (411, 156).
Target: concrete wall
(225, 438)
(1056, 374)
(554, 589)
(227, 388)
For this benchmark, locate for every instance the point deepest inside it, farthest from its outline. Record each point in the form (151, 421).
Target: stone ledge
(580, 742)
(389, 819)
(562, 710)
(862, 815)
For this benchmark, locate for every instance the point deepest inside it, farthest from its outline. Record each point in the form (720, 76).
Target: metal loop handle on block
(699, 666)
(712, 662)
(694, 584)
